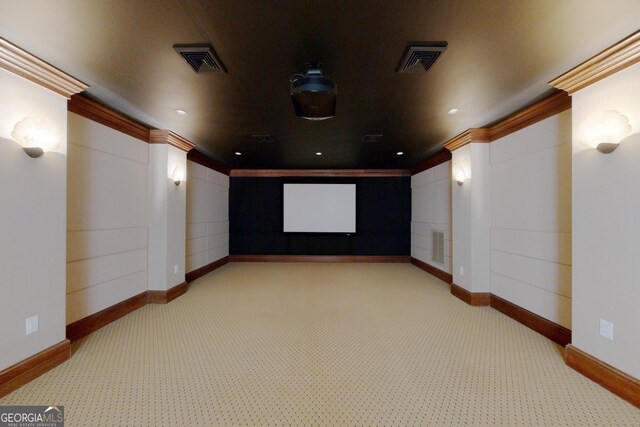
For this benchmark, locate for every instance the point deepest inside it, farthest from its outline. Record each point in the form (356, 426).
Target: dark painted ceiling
(500, 56)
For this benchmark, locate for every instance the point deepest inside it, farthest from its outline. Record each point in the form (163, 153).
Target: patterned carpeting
(321, 344)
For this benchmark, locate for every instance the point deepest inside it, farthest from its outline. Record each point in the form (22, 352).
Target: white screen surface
(320, 208)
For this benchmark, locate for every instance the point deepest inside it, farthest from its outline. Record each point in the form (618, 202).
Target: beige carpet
(321, 344)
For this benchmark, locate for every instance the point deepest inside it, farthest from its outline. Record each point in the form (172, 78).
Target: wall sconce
(178, 175)
(36, 136)
(604, 131)
(459, 175)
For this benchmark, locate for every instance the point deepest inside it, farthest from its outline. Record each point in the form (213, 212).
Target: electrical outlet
(606, 329)
(461, 270)
(175, 269)
(31, 325)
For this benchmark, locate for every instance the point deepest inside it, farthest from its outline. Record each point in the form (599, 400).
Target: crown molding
(171, 138)
(611, 60)
(539, 111)
(24, 64)
(91, 110)
(441, 157)
(277, 173)
(467, 137)
(204, 160)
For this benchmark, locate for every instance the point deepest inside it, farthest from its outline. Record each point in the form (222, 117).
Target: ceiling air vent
(371, 138)
(419, 58)
(262, 138)
(201, 58)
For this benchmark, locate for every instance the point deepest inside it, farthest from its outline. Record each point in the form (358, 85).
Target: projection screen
(319, 208)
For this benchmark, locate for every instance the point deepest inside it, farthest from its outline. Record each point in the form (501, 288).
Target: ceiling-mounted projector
(314, 95)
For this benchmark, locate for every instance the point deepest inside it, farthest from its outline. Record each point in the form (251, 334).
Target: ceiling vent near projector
(419, 58)
(314, 94)
(263, 138)
(372, 138)
(200, 57)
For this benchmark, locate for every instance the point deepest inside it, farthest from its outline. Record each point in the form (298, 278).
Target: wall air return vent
(372, 138)
(200, 57)
(437, 246)
(263, 138)
(419, 58)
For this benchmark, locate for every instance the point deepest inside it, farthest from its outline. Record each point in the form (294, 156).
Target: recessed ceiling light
(318, 154)
(181, 112)
(400, 153)
(238, 153)
(453, 111)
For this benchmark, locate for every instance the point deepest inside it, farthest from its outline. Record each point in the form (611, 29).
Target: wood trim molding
(199, 272)
(539, 111)
(92, 110)
(549, 329)
(21, 373)
(467, 137)
(613, 59)
(83, 327)
(433, 161)
(319, 258)
(203, 160)
(171, 138)
(442, 275)
(26, 65)
(164, 297)
(476, 299)
(614, 380)
(276, 173)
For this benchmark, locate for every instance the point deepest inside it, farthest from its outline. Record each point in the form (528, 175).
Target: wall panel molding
(476, 299)
(549, 329)
(442, 157)
(204, 160)
(611, 60)
(29, 369)
(617, 382)
(28, 66)
(277, 173)
(199, 272)
(442, 275)
(550, 106)
(92, 110)
(171, 138)
(320, 258)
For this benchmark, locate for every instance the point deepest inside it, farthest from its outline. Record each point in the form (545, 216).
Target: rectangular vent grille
(437, 246)
(418, 59)
(263, 138)
(371, 138)
(201, 58)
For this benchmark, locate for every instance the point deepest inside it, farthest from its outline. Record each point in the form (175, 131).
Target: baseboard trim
(442, 275)
(320, 258)
(549, 329)
(164, 297)
(29, 369)
(197, 273)
(617, 382)
(83, 327)
(476, 299)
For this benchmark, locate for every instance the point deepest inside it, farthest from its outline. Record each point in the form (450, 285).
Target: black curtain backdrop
(383, 219)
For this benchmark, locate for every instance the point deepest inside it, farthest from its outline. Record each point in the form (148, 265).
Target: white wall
(606, 227)
(471, 219)
(33, 224)
(167, 205)
(207, 216)
(431, 210)
(107, 217)
(531, 218)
